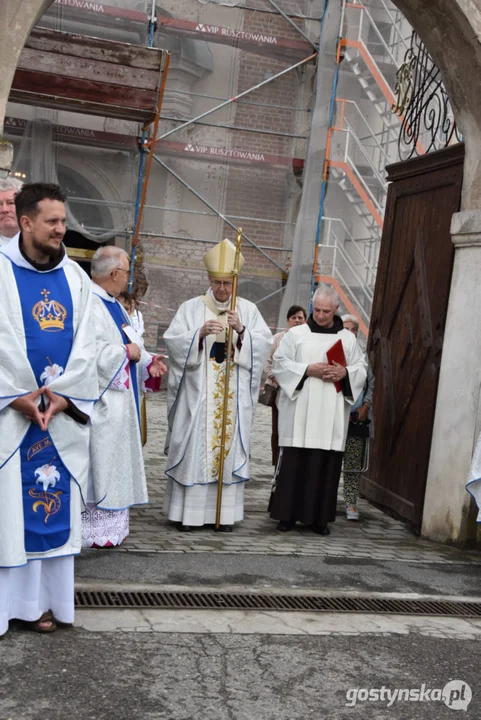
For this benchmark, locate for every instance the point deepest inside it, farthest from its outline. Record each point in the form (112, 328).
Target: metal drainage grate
(245, 601)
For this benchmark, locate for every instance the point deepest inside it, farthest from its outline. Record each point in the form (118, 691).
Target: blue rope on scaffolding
(332, 108)
(137, 208)
(140, 177)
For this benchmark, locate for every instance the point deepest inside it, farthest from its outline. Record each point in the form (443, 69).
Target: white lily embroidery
(47, 475)
(51, 373)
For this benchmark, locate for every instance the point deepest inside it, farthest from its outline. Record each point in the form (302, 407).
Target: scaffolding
(228, 149)
(272, 111)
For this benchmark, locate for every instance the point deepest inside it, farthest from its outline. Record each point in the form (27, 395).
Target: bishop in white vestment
(48, 386)
(117, 476)
(313, 415)
(196, 340)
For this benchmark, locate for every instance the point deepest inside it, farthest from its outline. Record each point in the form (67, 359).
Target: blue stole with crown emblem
(118, 316)
(47, 311)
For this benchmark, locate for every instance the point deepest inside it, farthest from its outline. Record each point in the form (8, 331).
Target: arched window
(90, 215)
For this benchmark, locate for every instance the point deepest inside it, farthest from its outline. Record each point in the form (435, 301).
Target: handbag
(359, 429)
(267, 395)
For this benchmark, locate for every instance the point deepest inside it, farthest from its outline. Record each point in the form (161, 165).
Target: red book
(336, 354)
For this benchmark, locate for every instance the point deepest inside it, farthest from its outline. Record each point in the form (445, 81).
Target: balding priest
(196, 342)
(321, 371)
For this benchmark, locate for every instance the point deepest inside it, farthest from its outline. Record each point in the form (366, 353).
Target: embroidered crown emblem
(49, 314)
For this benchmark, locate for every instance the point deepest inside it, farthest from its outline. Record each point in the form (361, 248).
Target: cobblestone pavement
(375, 536)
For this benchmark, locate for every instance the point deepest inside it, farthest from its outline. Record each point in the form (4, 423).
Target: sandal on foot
(45, 624)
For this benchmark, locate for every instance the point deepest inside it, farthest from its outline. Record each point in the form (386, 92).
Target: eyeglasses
(121, 270)
(219, 283)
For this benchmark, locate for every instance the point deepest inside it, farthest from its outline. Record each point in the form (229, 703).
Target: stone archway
(17, 18)
(451, 30)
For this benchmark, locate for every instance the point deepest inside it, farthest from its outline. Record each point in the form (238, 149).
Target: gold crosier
(225, 408)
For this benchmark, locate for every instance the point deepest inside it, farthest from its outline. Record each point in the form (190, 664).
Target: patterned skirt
(353, 462)
(104, 528)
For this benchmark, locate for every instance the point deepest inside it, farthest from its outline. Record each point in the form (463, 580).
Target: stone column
(17, 18)
(448, 512)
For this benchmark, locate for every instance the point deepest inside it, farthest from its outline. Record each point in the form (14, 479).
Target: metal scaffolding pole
(140, 178)
(126, 233)
(237, 127)
(123, 203)
(245, 102)
(214, 209)
(291, 22)
(271, 12)
(231, 100)
(266, 297)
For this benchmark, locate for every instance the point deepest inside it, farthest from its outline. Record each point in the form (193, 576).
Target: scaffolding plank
(84, 96)
(84, 46)
(88, 75)
(87, 69)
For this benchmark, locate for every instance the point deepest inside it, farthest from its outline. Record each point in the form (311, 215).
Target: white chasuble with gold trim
(196, 392)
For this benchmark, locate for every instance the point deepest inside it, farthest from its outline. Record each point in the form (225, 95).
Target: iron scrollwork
(422, 103)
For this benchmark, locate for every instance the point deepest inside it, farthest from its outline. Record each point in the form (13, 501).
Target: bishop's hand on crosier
(234, 322)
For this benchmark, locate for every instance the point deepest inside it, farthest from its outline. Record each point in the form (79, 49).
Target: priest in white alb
(8, 215)
(196, 341)
(48, 385)
(314, 414)
(117, 476)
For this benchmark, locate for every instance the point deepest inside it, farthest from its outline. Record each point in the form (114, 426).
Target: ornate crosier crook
(225, 409)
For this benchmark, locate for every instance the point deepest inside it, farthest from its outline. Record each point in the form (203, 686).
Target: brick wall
(251, 190)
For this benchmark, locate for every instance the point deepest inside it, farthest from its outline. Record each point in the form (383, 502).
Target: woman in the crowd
(296, 315)
(358, 434)
(129, 302)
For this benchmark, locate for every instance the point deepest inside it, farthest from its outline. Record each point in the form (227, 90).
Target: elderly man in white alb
(117, 476)
(196, 340)
(317, 392)
(8, 216)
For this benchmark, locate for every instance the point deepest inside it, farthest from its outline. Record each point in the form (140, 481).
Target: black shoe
(224, 528)
(285, 525)
(321, 530)
(184, 528)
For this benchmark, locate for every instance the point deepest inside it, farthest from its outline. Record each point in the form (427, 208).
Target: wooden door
(407, 326)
